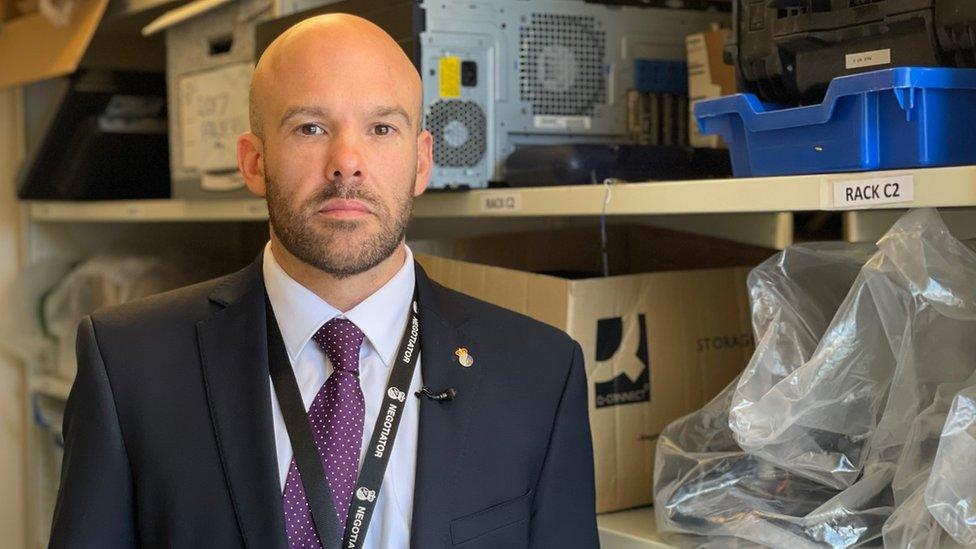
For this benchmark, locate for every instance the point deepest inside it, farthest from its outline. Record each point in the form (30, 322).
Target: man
(179, 431)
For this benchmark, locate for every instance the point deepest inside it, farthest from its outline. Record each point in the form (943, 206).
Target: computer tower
(500, 74)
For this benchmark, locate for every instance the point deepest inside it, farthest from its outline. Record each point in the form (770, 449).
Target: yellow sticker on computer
(450, 69)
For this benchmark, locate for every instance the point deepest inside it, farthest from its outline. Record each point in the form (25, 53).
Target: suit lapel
(234, 355)
(443, 425)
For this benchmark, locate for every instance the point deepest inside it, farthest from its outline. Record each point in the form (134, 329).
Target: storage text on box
(869, 192)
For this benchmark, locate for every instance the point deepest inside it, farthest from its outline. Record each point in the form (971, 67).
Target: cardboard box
(8, 10)
(659, 339)
(33, 49)
(210, 56)
(708, 77)
(27, 7)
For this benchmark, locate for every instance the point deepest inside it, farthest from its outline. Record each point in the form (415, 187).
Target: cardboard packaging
(660, 337)
(708, 77)
(33, 49)
(210, 56)
(209, 61)
(8, 10)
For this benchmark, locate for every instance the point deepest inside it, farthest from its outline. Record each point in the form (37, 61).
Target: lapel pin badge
(464, 359)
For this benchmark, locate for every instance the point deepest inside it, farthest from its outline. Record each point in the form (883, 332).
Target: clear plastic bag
(704, 482)
(803, 449)
(950, 495)
(111, 279)
(24, 335)
(912, 525)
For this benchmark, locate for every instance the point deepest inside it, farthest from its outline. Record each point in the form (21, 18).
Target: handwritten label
(213, 112)
(501, 202)
(867, 59)
(857, 193)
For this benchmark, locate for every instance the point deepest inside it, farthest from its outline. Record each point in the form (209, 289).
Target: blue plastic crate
(889, 119)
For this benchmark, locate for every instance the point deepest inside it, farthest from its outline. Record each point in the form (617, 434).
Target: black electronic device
(580, 164)
(105, 138)
(720, 5)
(788, 51)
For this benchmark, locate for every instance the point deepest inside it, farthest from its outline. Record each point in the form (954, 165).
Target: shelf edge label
(501, 202)
(852, 194)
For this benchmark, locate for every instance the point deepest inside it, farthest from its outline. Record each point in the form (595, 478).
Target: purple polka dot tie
(336, 416)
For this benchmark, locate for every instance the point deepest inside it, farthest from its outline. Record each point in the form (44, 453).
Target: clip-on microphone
(446, 394)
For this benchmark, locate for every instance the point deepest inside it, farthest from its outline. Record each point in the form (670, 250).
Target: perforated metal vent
(459, 130)
(561, 64)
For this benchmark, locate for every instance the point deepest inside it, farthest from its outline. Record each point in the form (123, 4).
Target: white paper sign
(213, 112)
(867, 59)
(501, 202)
(857, 193)
(552, 122)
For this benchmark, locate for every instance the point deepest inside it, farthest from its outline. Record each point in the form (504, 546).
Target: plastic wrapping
(950, 495)
(111, 279)
(23, 335)
(830, 431)
(912, 525)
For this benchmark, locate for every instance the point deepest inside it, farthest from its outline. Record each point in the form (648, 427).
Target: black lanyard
(370, 479)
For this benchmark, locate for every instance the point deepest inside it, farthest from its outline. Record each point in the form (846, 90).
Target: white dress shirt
(382, 318)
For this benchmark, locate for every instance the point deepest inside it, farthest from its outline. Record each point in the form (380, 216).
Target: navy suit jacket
(169, 439)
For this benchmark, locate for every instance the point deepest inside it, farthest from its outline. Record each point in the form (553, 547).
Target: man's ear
(425, 161)
(250, 161)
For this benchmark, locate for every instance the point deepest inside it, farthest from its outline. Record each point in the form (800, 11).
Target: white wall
(13, 515)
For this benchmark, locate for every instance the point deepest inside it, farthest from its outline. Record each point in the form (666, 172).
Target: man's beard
(299, 233)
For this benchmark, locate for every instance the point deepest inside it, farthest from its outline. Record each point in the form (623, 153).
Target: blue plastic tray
(889, 119)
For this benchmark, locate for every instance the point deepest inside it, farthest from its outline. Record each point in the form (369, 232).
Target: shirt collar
(300, 312)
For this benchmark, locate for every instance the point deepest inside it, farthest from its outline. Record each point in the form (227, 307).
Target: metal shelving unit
(50, 386)
(717, 207)
(148, 211)
(753, 210)
(53, 227)
(438, 213)
(942, 187)
(932, 187)
(869, 226)
(631, 529)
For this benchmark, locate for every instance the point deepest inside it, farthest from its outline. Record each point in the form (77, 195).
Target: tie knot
(340, 339)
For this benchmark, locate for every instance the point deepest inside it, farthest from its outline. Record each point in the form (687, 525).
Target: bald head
(340, 47)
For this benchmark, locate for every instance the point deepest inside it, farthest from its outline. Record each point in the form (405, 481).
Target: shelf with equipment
(435, 214)
(941, 187)
(756, 210)
(752, 210)
(155, 210)
(869, 226)
(936, 187)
